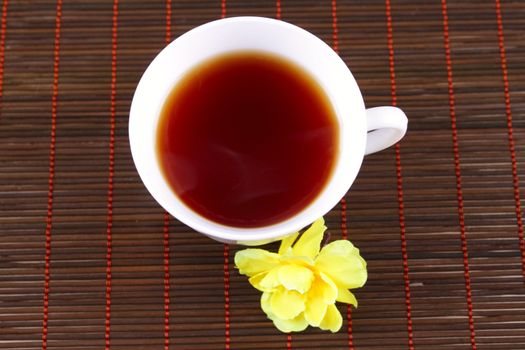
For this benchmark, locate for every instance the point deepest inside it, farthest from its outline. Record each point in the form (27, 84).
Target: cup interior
(248, 33)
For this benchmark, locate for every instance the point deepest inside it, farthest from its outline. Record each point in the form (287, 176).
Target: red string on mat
(512, 147)
(226, 260)
(227, 296)
(344, 229)
(335, 31)
(168, 22)
(278, 16)
(166, 244)
(111, 171)
(165, 229)
(3, 29)
(52, 148)
(400, 195)
(457, 170)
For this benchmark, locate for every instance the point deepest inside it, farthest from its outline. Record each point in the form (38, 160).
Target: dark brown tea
(247, 139)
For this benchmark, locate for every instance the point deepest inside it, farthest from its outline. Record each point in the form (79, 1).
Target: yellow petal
(270, 281)
(310, 241)
(328, 287)
(332, 319)
(256, 243)
(265, 304)
(345, 296)
(322, 293)
(286, 304)
(255, 281)
(296, 324)
(341, 261)
(295, 277)
(253, 261)
(297, 260)
(287, 243)
(315, 306)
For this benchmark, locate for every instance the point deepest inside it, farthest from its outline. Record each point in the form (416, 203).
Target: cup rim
(304, 217)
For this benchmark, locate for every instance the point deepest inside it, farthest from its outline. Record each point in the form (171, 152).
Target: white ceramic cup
(362, 131)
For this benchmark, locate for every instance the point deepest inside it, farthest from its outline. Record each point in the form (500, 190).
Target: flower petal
(315, 306)
(328, 287)
(295, 277)
(341, 261)
(298, 260)
(345, 296)
(310, 241)
(256, 280)
(270, 281)
(257, 242)
(253, 261)
(265, 304)
(287, 242)
(286, 304)
(332, 319)
(322, 293)
(296, 324)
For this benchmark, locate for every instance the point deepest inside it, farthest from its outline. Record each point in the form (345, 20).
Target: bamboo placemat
(89, 261)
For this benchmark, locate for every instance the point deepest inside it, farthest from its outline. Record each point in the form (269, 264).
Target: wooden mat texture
(88, 260)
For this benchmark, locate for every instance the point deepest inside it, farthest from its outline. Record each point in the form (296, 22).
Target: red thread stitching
(457, 169)
(512, 147)
(226, 254)
(166, 236)
(2, 48)
(278, 16)
(335, 31)
(168, 21)
(227, 296)
(400, 195)
(404, 253)
(166, 243)
(344, 229)
(52, 149)
(111, 170)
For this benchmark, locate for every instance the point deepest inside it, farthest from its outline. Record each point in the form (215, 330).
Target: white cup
(361, 131)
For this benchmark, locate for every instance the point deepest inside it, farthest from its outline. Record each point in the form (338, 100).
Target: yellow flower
(301, 283)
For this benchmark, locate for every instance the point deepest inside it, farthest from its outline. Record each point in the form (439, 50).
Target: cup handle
(385, 126)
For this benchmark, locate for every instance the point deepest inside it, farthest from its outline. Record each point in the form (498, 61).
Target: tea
(247, 139)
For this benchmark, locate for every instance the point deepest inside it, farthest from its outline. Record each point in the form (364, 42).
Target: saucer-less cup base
(387, 124)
